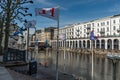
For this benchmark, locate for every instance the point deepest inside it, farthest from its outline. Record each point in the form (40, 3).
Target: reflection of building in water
(77, 35)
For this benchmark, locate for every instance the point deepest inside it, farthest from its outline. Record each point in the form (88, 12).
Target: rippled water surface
(80, 64)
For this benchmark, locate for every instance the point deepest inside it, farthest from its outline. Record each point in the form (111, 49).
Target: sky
(74, 11)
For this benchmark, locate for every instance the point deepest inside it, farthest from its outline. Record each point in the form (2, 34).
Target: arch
(84, 43)
(109, 44)
(63, 43)
(76, 44)
(60, 44)
(73, 44)
(70, 44)
(102, 44)
(97, 44)
(94, 43)
(116, 44)
(79, 44)
(67, 43)
(88, 44)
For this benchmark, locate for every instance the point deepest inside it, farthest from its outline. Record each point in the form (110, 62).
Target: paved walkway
(4, 74)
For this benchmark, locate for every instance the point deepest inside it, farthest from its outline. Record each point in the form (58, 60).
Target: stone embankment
(89, 51)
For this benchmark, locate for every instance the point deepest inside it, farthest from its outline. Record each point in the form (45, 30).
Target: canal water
(79, 65)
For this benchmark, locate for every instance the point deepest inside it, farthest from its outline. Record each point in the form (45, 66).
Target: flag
(19, 31)
(46, 43)
(62, 36)
(30, 24)
(36, 43)
(52, 13)
(92, 37)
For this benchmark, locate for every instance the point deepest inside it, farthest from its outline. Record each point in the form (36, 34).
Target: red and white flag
(52, 13)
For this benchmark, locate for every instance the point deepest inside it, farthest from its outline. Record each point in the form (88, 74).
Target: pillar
(105, 44)
(112, 44)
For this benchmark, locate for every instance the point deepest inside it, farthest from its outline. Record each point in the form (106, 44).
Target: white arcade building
(77, 35)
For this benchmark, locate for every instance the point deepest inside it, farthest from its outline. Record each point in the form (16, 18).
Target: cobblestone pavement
(18, 76)
(43, 73)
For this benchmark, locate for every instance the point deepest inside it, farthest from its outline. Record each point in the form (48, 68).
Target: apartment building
(107, 29)
(44, 34)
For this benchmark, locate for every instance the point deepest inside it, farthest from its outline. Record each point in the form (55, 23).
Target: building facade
(77, 35)
(44, 34)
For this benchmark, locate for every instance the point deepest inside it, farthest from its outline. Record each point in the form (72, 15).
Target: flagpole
(64, 53)
(27, 42)
(35, 44)
(92, 59)
(57, 48)
(64, 48)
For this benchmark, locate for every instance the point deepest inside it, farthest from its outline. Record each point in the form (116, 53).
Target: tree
(13, 9)
(1, 30)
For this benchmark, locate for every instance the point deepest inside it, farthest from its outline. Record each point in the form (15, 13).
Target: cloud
(45, 2)
(80, 2)
(115, 8)
(63, 8)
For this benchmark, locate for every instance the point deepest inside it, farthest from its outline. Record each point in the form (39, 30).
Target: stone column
(112, 44)
(77, 43)
(69, 43)
(86, 44)
(119, 44)
(81, 43)
(105, 44)
(100, 44)
(90, 44)
(95, 44)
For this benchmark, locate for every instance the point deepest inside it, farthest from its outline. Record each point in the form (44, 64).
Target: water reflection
(80, 64)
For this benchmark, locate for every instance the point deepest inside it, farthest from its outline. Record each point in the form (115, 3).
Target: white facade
(107, 29)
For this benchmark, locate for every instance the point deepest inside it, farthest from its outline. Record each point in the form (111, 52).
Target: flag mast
(52, 13)
(92, 38)
(92, 58)
(57, 46)
(64, 48)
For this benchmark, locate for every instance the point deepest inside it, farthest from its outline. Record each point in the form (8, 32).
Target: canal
(79, 65)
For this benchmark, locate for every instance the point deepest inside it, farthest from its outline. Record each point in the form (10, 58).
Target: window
(103, 24)
(114, 21)
(98, 24)
(84, 30)
(84, 26)
(114, 28)
(103, 29)
(114, 34)
(93, 24)
(107, 28)
(97, 30)
(84, 35)
(88, 25)
(107, 22)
